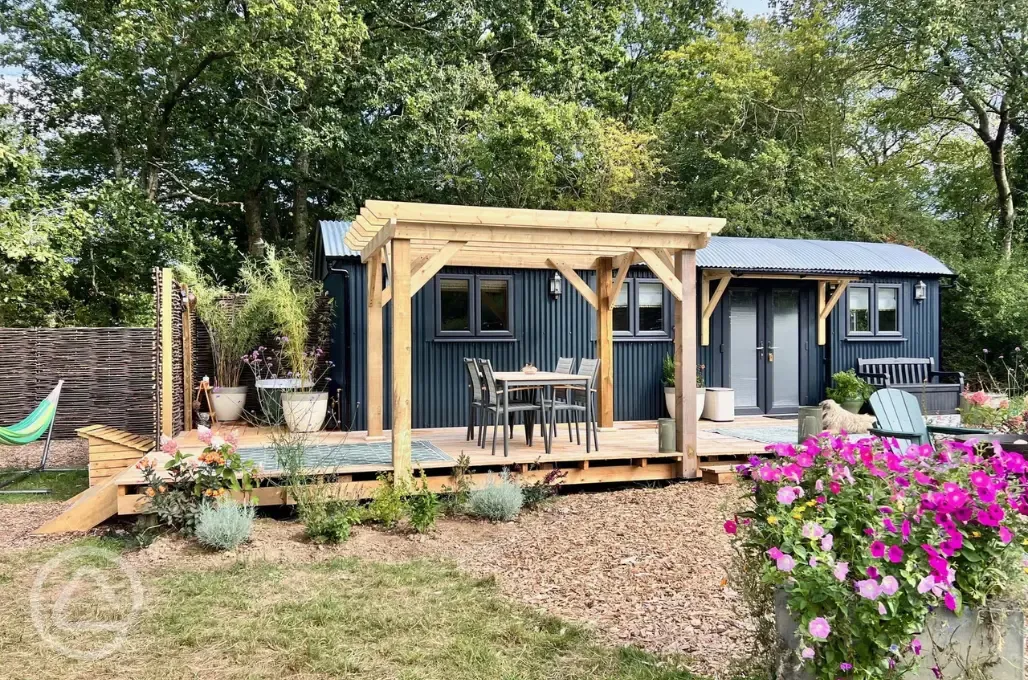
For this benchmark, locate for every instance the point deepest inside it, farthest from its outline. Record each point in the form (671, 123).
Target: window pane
(621, 321)
(859, 310)
(454, 305)
(494, 302)
(651, 306)
(888, 316)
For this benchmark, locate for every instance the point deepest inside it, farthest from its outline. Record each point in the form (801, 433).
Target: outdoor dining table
(546, 381)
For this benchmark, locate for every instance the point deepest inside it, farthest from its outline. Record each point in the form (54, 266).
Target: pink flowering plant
(865, 539)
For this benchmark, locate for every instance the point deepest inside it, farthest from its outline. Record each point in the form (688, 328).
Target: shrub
(499, 500)
(224, 524)
(848, 387)
(864, 539)
(456, 499)
(422, 507)
(387, 505)
(539, 493)
(329, 521)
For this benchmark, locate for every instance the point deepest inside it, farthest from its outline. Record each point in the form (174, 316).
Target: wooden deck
(628, 453)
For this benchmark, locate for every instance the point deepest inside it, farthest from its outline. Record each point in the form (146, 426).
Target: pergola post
(605, 340)
(400, 286)
(374, 394)
(685, 363)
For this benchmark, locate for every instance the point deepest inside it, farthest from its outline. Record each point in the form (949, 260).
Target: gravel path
(63, 453)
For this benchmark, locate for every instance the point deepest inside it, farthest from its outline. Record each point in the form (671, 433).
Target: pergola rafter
(416, 240)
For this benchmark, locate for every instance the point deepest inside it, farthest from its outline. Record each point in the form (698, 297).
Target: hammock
(32, 428)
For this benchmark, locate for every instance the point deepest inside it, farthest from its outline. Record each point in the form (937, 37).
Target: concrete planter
(976, 645)
(669, 400)
(228, 403)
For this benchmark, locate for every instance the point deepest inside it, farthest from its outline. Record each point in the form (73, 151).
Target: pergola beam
(422, 271)
(685, 363)
(710, 303)
(662, 271)
(575, 280)
(824, 308)
(402, 345)
(381, 237)
(622, 264)
(605, 342)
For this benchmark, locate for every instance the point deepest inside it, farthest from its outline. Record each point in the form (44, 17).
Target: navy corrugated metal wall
(919, 323)
(546, 328)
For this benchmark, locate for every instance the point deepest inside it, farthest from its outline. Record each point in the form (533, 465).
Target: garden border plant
(864, 539)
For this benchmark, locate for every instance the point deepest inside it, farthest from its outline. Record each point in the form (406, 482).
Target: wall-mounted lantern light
(920, 291)
(556, 285)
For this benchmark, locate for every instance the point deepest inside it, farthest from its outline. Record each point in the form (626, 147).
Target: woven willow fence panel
(108, 376)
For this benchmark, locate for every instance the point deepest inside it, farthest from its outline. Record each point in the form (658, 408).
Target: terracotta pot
(228, 403)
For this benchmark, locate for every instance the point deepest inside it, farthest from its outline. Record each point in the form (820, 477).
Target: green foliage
(848, 387)
(224, 524)
(499, 500)
(387, 505)
(667, 369)
(456, 499)
(423, 506)
(329, 521)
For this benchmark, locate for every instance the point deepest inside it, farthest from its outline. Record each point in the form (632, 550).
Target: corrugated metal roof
(804, 255)
(761, 254)
(332, 234)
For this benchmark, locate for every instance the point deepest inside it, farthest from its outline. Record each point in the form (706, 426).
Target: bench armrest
(943, 429)
(956, 375)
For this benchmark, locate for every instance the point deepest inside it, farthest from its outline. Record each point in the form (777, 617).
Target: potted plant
(669, 386)
(281, 287)
(875, 560)
(233, 324)
(850, 391)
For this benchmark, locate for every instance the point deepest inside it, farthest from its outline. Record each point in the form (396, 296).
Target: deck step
(722, 472)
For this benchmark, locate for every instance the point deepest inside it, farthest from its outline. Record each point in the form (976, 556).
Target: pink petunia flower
(868, 589)
(731, 527)
(826, 542)
(841, 569)
(915, 647)
(812, 530)
(1005, 535)
(895, 554)
(807, 653)
(786, 495)
(926, 584)
(819, 628)
(785, 563)
(775, 553)
(877, 549)
(949, 601)
(890, 585)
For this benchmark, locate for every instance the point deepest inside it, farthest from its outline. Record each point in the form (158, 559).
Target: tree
(955, 63)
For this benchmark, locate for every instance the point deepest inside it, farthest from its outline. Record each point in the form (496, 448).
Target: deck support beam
(374, 394)
(402, 341)
(685, 362)
(605, 341)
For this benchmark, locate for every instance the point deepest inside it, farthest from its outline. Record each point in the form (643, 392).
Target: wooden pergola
(415, 240)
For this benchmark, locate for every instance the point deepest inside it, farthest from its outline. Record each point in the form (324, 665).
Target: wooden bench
(917, 376)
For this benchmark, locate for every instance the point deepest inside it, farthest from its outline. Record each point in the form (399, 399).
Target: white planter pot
(304, 411)
(719, 404)
(669, 400)
(228, 403)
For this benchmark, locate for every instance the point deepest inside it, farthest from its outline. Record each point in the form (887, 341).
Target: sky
(749, 7)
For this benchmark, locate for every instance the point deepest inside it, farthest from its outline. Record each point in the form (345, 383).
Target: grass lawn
(338, 618)
(62, 485)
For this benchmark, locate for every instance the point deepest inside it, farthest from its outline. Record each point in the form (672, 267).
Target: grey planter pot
(973, 646)
(853, 405)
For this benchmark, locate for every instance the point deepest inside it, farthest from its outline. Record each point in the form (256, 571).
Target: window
(474, 306)
(639, 310)
(887, 298)
(859, 310)
(873, 310)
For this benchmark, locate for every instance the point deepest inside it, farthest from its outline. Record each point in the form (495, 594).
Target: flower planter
(669, 400)
(304, 411)
(852, 405)
(719, 404)
(269, 393)
(228, 403)
(975, 644)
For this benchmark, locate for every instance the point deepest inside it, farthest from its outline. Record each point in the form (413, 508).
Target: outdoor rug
(338, 455)
(767, 435)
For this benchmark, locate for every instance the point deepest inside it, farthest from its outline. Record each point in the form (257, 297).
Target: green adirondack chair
(899, 416)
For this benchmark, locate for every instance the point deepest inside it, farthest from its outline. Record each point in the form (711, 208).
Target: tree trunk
(252, 215)
(1004, 196)
(300, 218)
(274, 230)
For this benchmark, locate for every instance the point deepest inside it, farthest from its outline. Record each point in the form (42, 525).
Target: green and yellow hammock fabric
(36, 424)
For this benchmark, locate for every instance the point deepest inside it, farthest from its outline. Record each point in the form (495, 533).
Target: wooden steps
(111, 453)
(112, 450)
(719, 473)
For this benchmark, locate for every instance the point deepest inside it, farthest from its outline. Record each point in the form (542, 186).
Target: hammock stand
(31, 429)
